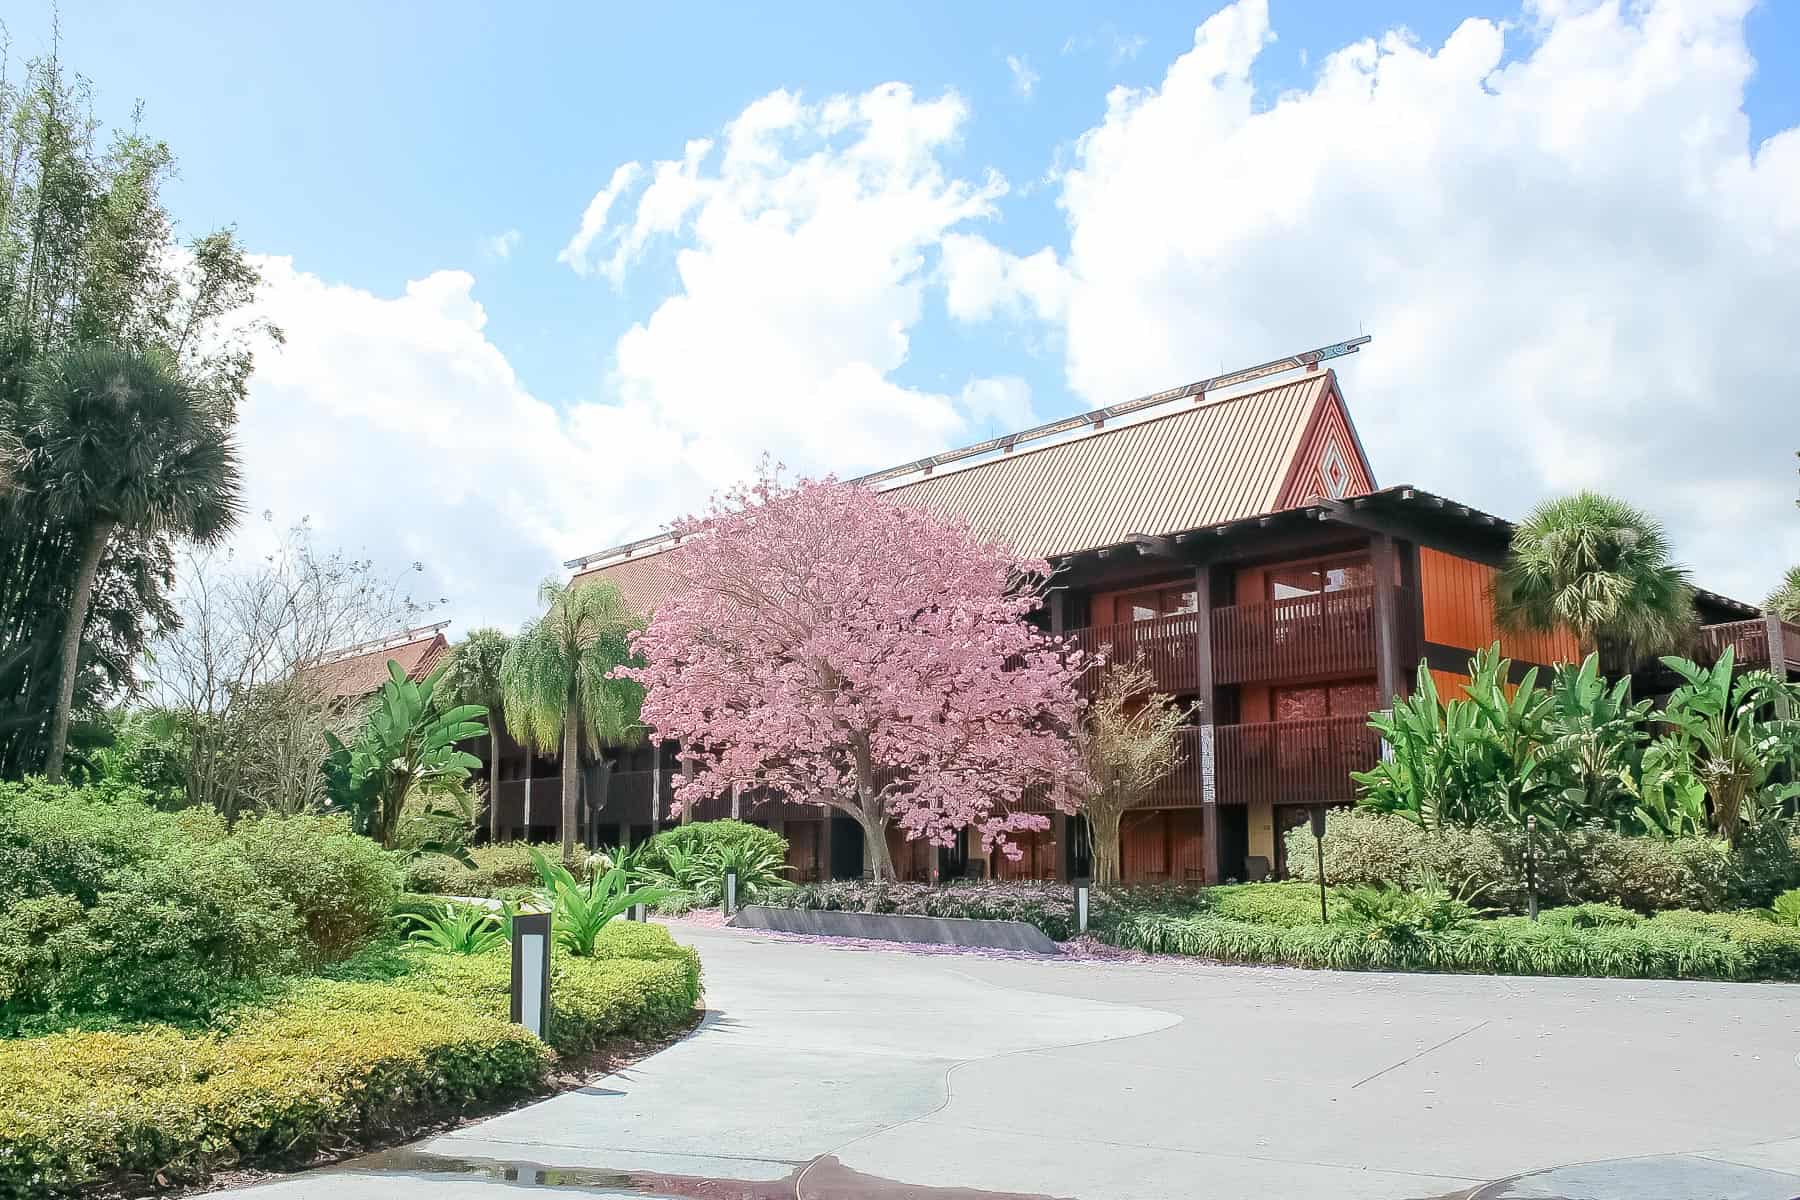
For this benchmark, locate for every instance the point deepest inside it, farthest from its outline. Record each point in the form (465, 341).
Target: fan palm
(1784, 601)
(557, 680)
(473, 677)
(1597, 567)
(116, 441)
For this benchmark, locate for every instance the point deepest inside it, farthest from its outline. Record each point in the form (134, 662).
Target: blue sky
(379, 145)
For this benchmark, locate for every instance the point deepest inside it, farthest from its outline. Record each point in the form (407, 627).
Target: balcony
(1292, 762)
(1168, 646)
(1749, 642)
(1307, 637)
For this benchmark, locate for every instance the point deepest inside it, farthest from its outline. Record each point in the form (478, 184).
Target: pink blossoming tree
(853, 653)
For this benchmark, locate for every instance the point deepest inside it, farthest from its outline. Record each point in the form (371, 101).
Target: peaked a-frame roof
(1200, 464)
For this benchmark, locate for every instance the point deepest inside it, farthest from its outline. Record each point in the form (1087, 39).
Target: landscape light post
(1531, 866)
(1318, 832)
(638, 912)
(1081, 906)
(531, 971)
(730, 896)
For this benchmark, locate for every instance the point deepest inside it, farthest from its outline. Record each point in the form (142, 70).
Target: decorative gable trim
(1328, 462)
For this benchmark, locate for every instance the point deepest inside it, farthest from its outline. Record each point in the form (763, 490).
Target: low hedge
(1574, 866)
(1669, 946)
(497, 869)
(1048, 906)
(334, 1062)
(410, 1036)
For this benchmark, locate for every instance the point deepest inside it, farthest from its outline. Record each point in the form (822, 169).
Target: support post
(1211, 870)
(1778, 659)
(1387, 623)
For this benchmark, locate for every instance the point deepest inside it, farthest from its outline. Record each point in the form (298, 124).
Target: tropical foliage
(580, 911)
(1784, 601)
(1598, 568)
(406, 749)
(94, 286)
(457, 929)
(473, 677)
(1581, 752)
(560, 684)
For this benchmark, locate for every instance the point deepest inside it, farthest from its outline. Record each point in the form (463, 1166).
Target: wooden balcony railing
(1749, 642)
(1185, 786)
(1168, 646)
(1292, 762)
(1328, 634)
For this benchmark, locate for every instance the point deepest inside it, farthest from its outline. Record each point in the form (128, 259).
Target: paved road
(825, 1073)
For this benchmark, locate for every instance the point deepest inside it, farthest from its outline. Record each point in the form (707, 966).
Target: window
(1162, 602)
(1312, 579)
(1349, 699)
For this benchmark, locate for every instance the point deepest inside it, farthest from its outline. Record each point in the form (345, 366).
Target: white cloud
(1577, 269)
(1024, 79)
(981, 279)
(593, 218)
(805, 239)
(803, 252)
(501, 245)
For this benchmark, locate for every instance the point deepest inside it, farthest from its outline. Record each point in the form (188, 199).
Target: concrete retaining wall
(889, 927)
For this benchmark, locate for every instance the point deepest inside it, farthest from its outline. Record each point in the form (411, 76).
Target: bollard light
(1318, 830)
(531, 971)
(1081, 905)
(730, 892)
(639, 912)
(1531, 866)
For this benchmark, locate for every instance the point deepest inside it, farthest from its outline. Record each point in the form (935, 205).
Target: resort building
(1231, 535)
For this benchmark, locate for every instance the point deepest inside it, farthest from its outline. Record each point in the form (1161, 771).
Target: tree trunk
(1104, 846)
(877, 864)
(71, 648)
(571, 756)
(493, 784)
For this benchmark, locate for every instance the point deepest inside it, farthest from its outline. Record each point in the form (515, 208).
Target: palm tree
(473, 677)
(1784, 601)
(1597, 567)
(116, 441)
(557, 681)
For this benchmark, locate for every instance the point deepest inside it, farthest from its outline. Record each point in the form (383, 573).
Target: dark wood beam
(1152, 546)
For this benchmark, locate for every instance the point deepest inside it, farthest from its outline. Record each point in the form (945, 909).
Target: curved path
(824, 1072)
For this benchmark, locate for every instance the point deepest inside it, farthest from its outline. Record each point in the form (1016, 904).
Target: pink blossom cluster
(842, 649)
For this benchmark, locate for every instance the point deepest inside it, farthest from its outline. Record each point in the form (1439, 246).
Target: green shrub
(1590, 916)
(341, 885)
(498, 869)
(1366, 847)
(697, 838)
(591, 999)
(1573, 867)
(333, 1062)
(1786, 908)
(1288, 903)
(62, 840)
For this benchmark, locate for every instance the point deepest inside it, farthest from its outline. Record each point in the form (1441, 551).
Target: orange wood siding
(806, 852)
(1459, 611)
(1450, 684)
(1161, 845)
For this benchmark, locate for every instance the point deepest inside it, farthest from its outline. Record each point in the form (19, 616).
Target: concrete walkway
(824, 1072)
